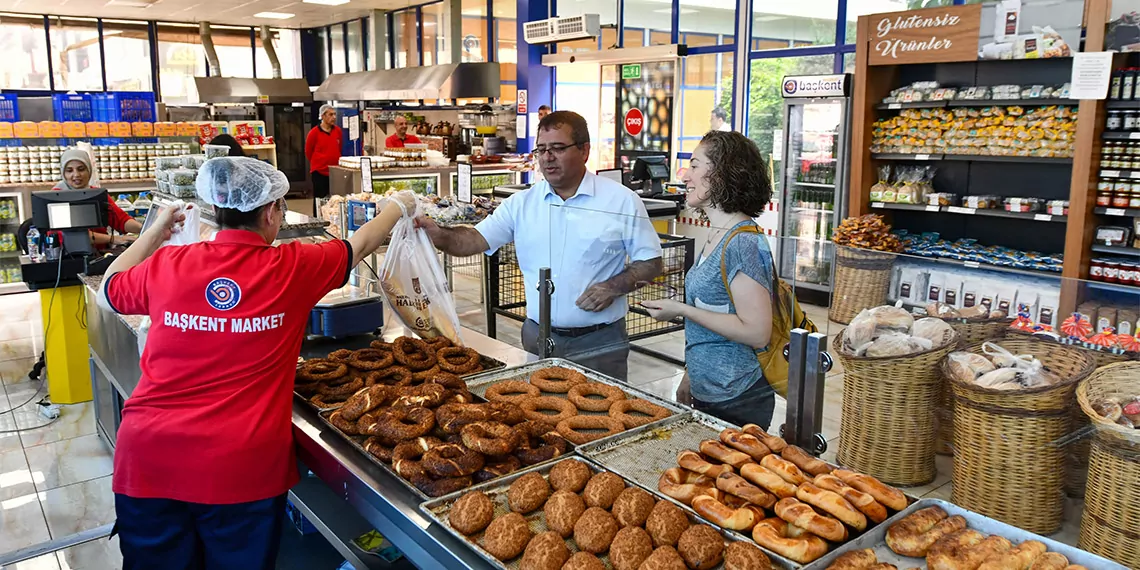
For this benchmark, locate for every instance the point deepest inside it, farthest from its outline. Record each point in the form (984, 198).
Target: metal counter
(376, 499)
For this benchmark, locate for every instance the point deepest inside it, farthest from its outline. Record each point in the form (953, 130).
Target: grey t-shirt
(721, 369)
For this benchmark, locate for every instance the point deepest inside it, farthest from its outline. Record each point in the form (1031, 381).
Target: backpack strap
(750, 229)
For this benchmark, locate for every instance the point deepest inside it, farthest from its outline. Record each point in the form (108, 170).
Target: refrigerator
(12, 214)
(814, 176)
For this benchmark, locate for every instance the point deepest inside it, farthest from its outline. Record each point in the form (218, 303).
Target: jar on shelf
(1115, 121)
(1111, 271)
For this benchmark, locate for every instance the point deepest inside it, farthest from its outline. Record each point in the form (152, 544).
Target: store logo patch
(790, 86)
(223, 293)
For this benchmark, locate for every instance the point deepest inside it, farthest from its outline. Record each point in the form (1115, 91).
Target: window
(506, 52)
(474, 46)
(641, 15)
(75, 54)
(789, 24)
(127, 48)
(337, 32)
(437, 47)
(180, 59)
(287, 45)
(707, 84)
(355, 46)
(25, 61)
(856, 8)
(716, 20)
(407, 47)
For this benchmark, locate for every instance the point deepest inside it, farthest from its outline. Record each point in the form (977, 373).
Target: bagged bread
(941, 311)
(859, 333)
(1003, 358)
(888, 318)
(896, 344)
(967, 366)
(1000, 379)
(934, 330)
(975, 312)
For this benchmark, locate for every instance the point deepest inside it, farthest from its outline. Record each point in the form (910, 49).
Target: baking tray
(438, 510)
(479, 383)
(875, 539)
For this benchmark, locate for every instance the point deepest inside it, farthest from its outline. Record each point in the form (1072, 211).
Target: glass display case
(11, 216)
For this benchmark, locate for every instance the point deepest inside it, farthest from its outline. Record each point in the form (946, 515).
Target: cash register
(648, 175)
(63, 219)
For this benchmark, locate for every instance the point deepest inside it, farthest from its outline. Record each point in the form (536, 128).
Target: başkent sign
(926, 36)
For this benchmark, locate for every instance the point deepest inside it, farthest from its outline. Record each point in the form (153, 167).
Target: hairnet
(240, 183)
(324, 108)
(68, 156)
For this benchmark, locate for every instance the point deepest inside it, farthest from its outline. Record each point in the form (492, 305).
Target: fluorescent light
(273, 15)
(326, 2)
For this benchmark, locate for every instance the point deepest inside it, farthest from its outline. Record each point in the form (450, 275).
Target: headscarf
(68, 156)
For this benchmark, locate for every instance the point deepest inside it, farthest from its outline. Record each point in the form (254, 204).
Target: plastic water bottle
(34, 243)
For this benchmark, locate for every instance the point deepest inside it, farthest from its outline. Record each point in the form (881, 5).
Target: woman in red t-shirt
(322, 148)
(75, 174)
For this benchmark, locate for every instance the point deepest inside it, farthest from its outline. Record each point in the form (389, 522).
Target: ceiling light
(273, 15)
(326, 2)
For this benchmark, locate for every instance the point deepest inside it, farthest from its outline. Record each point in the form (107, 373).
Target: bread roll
(967, 366)
(934, 330)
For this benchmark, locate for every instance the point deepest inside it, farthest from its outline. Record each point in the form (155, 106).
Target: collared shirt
(724, 127)
(394, 140)
(323, 148)
(584, 240)
(211, 419)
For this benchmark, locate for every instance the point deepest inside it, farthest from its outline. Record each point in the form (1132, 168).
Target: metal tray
(478, 385)
(875, 539)
(357, 442)
(438, 510)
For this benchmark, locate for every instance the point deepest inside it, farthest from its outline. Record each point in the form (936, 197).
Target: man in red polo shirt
(401, 136)
(205, 453)
(322, 149)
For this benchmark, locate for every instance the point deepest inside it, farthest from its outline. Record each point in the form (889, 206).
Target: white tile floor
(55, 477)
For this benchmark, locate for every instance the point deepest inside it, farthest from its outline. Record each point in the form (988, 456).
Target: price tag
(960, 210)
(366, 175)
(1134, 174)
(971, 264)
(894, 106)
(1043, 218)
(933, 209)
(876, 204)
(1114, 212)
(463, 183)
(922, 157)
(1110, 173)
(298, 104)
(1134, 136)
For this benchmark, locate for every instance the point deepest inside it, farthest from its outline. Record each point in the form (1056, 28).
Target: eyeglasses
(556, 150)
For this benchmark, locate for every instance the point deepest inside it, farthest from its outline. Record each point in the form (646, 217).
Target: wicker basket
(888, 428)
(862, 278)
(970, 332)
(1007, 461)
(1112, 498)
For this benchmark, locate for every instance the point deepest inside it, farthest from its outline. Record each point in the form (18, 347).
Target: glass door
(812, 190)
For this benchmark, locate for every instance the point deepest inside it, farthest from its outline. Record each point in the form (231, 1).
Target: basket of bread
(1110, 397)
(890, 393)
(1012, 402)
(864, 255)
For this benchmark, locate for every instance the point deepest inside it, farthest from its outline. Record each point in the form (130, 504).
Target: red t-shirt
(211, 419)
(322, 149)
(394, 141)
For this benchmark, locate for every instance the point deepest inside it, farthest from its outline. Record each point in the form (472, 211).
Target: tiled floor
(55, 477)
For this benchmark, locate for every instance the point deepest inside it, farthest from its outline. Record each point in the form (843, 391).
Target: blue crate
(9, 110)
(77, 107)
(125, 106)
(346, 320)
(298, 519)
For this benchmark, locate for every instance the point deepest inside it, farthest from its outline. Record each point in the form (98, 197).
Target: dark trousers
(605, 350)
(320, 185)
(754, 406)
(175, 535)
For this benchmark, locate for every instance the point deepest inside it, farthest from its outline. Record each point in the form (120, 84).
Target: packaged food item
(941, 199)
(967, 366)
(934, 330)
(183, 176)
(1105, 318)
(1057, 207)
(183, 190)
(880, 187)
(1118, 236)
(193, 161)
(215, 151)
(1024, 205)
(980, 202)
(168, 162)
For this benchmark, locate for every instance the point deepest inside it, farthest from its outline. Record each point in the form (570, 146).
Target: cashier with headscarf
(76, 172)
(205, 452)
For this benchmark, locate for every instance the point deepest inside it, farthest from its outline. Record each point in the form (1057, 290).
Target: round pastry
(379, 345)
(556, 380)
(457, 359)
(438, 342)
(414, 449)
(505, 412)
(528, 493)
(665, 524)
(452, 417)
(342, 355)
(489, 438)
(391, 376)
(459, 397)
(471, 513)
(744, 556)
(664, 558)
(514, 391)
(413, 353)
(595, 530)
(325, 402)
(646, 412)
(399, 424)
(339, 422)
(451, 460)
(507, 536)
(382, 452)
(788, 541)
(370, 359)
(447, 380)
(546, 551)
(321, 370)
(535, 449)
(533, 409)
(441, 486)
(579, 396)
(632, 507)
(701, 546)
(342, 391)
(305, 389)
(603, 489)
(497, 467)
(562, 511)
(583, 561)
(570, 475)
(424, 396)
(422, 375)
(631, 546)
(599, 426)
(364, 401)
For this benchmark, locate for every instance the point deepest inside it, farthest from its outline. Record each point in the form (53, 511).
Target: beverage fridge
(814, 172)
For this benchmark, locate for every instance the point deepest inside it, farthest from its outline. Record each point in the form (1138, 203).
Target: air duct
(270, 51)
(208, 46)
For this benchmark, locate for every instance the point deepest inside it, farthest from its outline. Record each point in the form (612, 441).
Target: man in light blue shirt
(593, 234)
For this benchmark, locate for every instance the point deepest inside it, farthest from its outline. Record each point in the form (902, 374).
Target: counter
(485, 177)
(658, 209)
(375, 499)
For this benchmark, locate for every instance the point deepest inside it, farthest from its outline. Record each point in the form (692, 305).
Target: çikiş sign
(926, 36)
(634, 122)
(814, 86)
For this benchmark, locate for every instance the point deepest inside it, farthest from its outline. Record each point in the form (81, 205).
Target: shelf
(993, 213)
(892, 156)
(987, 266)
(975, 158)
(1115, 288)
(332, 517)
(913, 105)
(49, 185)
(260, 147)
(976, 103)
(1125, 212)
(1113, 104)
(813, 210)
(911, 207)
(9, 254)
(1121, 135)
(10, 288)
(1135, 174)
(1117, 250)
(813, 184)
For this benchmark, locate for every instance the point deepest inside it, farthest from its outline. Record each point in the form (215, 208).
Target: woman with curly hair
(726, 327)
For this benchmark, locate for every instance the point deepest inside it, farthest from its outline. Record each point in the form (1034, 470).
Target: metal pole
(796, 353)
(491, 279)
(545, 290)
(815, 378)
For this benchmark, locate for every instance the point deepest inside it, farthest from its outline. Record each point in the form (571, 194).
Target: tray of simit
(498, 493)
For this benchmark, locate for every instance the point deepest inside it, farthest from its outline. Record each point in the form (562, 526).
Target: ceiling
(234, 12)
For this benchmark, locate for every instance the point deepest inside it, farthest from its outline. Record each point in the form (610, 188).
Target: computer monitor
(650, 172)
(71, 212)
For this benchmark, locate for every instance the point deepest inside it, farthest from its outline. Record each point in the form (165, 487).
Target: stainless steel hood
(447, 81)
(244, 90)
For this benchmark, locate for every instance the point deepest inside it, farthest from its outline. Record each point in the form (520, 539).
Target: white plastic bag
(415, 287)
(189, 230)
